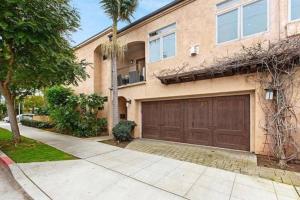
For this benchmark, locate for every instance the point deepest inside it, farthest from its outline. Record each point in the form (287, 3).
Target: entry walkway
(107, 172)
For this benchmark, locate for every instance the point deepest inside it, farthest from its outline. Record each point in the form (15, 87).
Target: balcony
(131, 74)
(132, 69)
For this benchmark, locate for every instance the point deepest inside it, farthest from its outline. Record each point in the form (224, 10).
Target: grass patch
(30, 150)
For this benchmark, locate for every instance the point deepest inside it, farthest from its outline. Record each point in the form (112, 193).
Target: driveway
(107, 172)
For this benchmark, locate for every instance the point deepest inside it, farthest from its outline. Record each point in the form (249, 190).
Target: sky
(93, 19)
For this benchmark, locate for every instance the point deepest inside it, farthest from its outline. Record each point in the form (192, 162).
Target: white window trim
(240, 8)
(290, 13)
(239, 24)
(160, 37)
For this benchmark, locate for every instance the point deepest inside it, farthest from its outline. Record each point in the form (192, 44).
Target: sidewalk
(107, 172)
(9, 189)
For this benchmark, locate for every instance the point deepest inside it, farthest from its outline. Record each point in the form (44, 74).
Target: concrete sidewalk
(106, 172)
(9, 189)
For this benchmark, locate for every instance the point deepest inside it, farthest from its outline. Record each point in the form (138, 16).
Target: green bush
(42, 111)
(36, 124)
(3, 111)
(58, 96)
(90, 127)
(76, 115)
(123, 130)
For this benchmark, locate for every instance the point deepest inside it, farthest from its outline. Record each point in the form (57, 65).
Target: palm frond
(127, 9)
(120, 10)
(109, 50)
(110, 7)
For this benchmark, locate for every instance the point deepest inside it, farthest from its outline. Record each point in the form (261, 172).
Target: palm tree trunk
(115, 103)
(115, 96)
(11, 113)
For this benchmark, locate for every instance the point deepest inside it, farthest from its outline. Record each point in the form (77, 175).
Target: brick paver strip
(240, 162)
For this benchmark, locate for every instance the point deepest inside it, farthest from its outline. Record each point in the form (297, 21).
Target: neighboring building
(223, 112)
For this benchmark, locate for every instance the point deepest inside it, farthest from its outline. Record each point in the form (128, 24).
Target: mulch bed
(116, 143)
(266, 161)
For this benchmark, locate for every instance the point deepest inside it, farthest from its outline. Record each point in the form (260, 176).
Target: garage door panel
(199, 136)
(198, 117)
(151, 120)
(229, 113)
(171, 121)
(231, 139)
(232, 122)
(216, 121)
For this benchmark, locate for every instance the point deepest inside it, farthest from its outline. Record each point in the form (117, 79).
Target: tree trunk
(114, 81)
(115, 98)
(11, 114)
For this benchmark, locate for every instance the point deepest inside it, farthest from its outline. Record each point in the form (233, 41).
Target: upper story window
(162, 43)
(242, 21)
(294, 10)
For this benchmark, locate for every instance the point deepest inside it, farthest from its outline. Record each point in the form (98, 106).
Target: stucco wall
(195, 25)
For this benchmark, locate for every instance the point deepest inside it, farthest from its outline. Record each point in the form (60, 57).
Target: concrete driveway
(106, 172)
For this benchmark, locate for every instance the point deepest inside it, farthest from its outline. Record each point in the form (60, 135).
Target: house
(222, 112)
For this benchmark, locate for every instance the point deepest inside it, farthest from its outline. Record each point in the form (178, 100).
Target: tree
(34, 49)
(117, 10)
(32, 102)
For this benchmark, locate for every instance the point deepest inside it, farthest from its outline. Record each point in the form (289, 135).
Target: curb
(28, 186)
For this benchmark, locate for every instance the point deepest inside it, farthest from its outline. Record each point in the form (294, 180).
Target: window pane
(154, 50)
(295, 9)
(169, 45)
(228, 26)
(255, 18)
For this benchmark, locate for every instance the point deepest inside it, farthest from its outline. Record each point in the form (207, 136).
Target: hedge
(36, 124)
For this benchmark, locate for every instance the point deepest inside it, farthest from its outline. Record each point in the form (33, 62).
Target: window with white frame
(242, 21)
(162, 43)
(294, 10)
(228, 26)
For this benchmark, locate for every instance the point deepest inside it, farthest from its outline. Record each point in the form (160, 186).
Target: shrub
(36, 124)
(42, 111)
(76, 115)
(123, 130)
(90, 127)
(58, 96)
(3, 111)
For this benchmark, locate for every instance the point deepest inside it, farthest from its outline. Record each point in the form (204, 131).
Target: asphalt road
(9, 189)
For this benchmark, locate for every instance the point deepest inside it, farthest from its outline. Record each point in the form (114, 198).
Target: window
(255, 18)
(154, 50)
(294, 10)
(244, 20)
(169, 45)
(162, 43)
(228, 26)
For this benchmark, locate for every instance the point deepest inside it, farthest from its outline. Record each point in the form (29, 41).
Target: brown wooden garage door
(217, 121)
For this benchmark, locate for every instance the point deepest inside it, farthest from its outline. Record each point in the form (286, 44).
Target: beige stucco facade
(195, 25)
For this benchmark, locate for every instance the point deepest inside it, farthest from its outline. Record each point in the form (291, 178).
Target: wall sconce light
(270, 93)
(131, 61)
(128, 102)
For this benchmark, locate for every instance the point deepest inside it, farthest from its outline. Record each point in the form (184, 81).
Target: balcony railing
(127, 76)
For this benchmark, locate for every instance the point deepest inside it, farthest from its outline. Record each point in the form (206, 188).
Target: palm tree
(117, 10)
